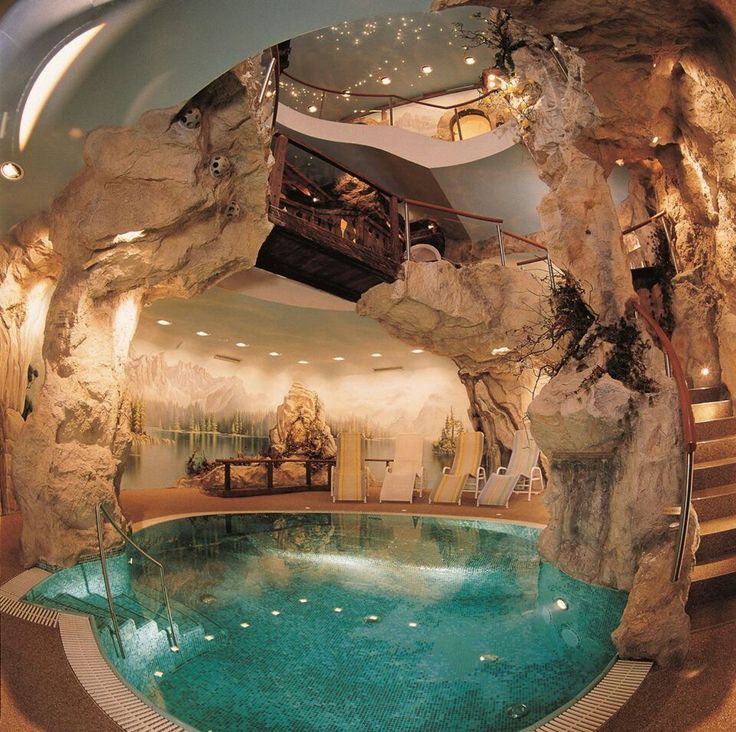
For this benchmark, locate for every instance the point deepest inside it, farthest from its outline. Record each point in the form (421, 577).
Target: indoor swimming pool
(343, 621)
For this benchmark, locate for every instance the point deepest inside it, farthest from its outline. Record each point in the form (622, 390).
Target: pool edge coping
(587, 712)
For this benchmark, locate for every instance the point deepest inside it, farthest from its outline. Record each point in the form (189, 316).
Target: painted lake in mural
(161, 465)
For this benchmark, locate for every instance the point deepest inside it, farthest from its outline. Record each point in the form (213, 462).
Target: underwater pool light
(174, 649)
(209, 637)
(245, 625)
(158, 674)
(413, 624)
(561, 604)
(338, 609)
(275, 612)
(303, 600)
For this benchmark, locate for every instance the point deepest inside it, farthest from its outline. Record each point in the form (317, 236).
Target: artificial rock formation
(165, 208)
(301, 428)
(466, 314)
(28, 271)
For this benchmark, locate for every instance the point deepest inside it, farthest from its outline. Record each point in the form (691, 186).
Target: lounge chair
(518, 477)
(465, 467)
(349, 480)
(403, 473)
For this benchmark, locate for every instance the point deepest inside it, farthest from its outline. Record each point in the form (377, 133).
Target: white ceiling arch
(151, 54)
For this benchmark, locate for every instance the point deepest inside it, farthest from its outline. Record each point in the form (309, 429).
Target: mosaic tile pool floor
(348, 622)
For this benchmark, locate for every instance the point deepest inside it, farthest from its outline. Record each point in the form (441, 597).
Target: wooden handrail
(643, 223)
(686, 409)
(446, 209)
(688, 429)
(524, 239)
(688, 420)
(543, 258)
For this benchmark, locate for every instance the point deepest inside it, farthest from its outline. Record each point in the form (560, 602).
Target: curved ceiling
(150, 54)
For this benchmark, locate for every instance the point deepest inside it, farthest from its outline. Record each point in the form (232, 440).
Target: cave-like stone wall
(165, 208)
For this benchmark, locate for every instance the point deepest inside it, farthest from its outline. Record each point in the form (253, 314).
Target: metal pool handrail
(100, 510)
(674, 369)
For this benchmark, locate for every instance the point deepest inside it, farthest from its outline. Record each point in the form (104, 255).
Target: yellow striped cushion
(349, 467)
(449, 488)
(468, 453)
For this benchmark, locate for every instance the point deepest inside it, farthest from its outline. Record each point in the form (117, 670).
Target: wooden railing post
(276, 178)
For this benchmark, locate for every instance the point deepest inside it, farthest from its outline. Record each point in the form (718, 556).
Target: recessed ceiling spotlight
(470, 60)
(385, 80)
(11, 170)
(274, 353)
(202, 333)
(620, 161)
(426, 69)
(500, 351)
(338, 358)
(163, 322)
(312, 108)
(76, 133)
(240, 344)
(315, 199)
(417, 350)
(303, 363)
(655, 140)
(376, 355)
(705, 371)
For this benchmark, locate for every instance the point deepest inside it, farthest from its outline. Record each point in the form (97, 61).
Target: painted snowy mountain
(186, 385)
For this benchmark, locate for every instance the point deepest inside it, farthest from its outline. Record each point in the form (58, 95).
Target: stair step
(721, 447)
(715, 428)
(713, 410)
(710, 473)
(707, 394)
(717, 539)
(715, 502)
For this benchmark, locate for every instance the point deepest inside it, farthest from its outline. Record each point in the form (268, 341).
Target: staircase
(713, 591)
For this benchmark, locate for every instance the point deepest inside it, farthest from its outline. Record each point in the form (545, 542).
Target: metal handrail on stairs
(101, 511)
(674, 369)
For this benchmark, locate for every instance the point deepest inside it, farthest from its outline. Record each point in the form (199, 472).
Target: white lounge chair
(518, 477)
(465, 466)
(403, 473)
(349, 479)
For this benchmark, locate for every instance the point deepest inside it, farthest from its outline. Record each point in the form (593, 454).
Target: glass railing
(454, 114)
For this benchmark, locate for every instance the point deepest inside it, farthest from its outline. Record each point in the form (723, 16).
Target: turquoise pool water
(348, 622)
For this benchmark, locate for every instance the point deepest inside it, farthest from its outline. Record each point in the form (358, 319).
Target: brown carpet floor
(38, 690)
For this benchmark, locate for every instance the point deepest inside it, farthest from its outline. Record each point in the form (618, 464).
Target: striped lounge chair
(465, 467)
(349, 480)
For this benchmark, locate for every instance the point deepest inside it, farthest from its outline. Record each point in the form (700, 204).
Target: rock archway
(162, 209)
